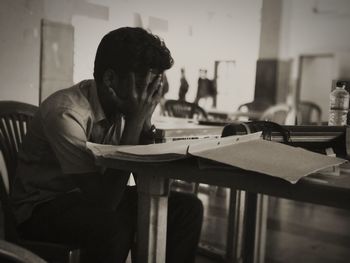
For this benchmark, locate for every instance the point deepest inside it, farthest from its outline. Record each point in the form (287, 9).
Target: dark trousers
(106, 236)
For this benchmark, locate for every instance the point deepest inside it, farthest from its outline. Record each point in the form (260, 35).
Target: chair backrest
(183, 109)
(277, 113)
(10, 231)
(14, 119)
(254, 106)
(308, 113)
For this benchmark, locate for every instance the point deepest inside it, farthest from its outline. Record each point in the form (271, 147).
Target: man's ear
(110, 80)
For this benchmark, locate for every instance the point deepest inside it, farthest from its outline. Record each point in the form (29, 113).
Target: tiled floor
(300, 232)
(296, 231)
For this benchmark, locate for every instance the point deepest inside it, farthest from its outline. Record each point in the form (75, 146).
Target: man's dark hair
(131, 49)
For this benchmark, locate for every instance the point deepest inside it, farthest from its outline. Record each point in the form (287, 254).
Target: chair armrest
(50, 251)
(18, 254)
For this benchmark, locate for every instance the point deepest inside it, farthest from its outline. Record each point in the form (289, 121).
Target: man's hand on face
(141, 98)
(158, 96)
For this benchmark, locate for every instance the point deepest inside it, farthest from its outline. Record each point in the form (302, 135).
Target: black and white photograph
(163, 131)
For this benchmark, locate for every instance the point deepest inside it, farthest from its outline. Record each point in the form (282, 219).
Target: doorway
(315, 80)
(224, 76)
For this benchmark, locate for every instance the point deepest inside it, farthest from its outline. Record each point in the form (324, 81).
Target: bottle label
(337, 117)
(339, 101)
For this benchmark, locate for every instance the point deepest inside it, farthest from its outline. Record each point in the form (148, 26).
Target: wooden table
(153, 187)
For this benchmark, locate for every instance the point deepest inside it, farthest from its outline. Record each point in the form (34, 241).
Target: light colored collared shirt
(54, 148)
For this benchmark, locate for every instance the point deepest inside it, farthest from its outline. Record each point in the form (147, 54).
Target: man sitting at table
(60, 195)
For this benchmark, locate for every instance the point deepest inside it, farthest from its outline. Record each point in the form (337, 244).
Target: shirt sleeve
(66, 134)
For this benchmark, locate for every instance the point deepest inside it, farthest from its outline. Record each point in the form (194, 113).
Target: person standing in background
(204, 96)
(183, 86)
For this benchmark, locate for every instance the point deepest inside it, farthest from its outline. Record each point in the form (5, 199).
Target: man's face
(141, 80)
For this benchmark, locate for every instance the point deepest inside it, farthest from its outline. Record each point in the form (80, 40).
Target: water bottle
(339, 105)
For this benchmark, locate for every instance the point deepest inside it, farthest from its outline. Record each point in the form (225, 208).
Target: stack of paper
(248, 152)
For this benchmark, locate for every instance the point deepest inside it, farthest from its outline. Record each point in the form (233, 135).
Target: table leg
(249, 227)
(235, 233)
(246, 227)
(152, 219)
(260, 228)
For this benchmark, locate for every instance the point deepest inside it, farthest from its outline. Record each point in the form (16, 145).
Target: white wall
(198, 33)
(20, 50)
(314, 27)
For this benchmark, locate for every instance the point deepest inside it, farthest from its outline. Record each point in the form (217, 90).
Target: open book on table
(249, 152)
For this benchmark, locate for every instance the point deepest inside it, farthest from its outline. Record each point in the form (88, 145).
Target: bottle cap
(341, 84)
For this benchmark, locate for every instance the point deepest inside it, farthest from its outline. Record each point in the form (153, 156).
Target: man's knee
(114, 227)
(196, 205)
(190, 205)
(193, 202)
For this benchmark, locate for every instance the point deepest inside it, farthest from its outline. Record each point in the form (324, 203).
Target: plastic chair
(10, 252)
(254, 106)
(184, 109)
(308, 113)
(14, 119)
(277, 113)
(253, 109)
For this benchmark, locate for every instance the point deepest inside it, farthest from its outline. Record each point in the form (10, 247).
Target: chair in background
(254, 106)
(308, 113)
(279, 113)
(11, 253)
(252, 110)
(14, 120)
(184, 109)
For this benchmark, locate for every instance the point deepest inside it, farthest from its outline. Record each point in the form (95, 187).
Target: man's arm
(105, 190)
(66, 135)
(138, 108)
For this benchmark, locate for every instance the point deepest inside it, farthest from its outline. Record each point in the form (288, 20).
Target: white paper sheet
(181, 146)
(272, 158)
(115, 152)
